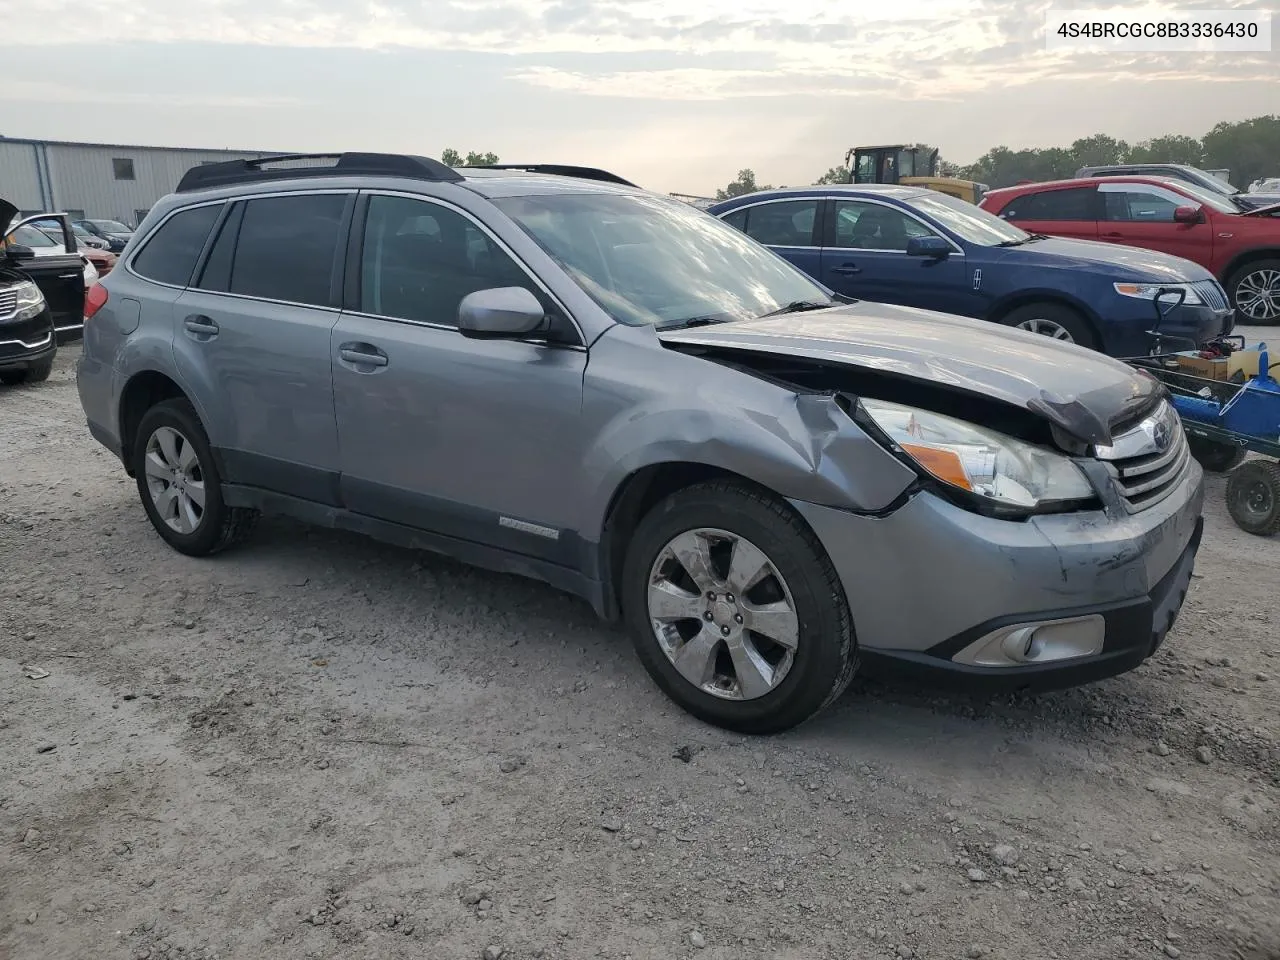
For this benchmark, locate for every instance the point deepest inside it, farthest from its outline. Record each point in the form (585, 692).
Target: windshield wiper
(1027, 239)
(796, 306)
(690, 322)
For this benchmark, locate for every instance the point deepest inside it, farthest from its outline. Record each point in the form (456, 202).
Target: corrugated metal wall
(20, 179)
(81, 178)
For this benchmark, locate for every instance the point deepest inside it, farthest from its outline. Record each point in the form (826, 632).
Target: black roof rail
(559, 170)
(348, 164)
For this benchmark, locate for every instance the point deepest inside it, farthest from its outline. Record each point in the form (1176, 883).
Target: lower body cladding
(1053, 601)
(1181, 329)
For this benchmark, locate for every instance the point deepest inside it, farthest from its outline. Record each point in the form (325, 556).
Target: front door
(1141, 215)
(468, 438)
(866, 257)
(251, 339)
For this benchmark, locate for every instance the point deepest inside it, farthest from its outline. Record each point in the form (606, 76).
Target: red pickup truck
(1160, 213)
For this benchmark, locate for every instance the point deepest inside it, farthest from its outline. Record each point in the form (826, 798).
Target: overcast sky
(675, 94)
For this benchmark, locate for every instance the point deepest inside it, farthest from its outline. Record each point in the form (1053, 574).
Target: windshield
(967, 221)
(109, 226)
(650, 260)
(1206, 196)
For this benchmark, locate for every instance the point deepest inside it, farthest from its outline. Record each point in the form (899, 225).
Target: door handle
(200, 325)
(362, 355)
(846, 269)
(1114, 236)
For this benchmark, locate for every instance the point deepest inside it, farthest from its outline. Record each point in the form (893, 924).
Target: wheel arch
(142, 391)
(1025, 298)
(1244, 258)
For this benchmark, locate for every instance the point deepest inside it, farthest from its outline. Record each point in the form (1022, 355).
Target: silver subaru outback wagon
(551, 372)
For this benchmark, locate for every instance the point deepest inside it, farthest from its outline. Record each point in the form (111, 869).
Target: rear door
(865, 256)
(789, 227)
(251, 339)
(1070, 212)
(1141, 215)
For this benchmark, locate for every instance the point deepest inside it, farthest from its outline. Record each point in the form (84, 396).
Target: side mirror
(19, 251)
(500, 312)
(1188, 213)
(935, 248)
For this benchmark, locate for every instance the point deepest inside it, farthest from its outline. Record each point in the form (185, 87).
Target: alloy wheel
(1047, 328)
(175, 480)
(1258, 294)
(723, 614)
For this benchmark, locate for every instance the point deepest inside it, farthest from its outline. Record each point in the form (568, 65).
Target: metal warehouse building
(97, 180)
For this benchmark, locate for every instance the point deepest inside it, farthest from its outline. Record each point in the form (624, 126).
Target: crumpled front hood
(1127, 263)
(1081, 391)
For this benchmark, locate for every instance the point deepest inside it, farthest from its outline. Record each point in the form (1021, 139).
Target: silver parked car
(551, 372)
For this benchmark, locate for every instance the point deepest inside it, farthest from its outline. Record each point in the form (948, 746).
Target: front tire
(735, 609)
(1216, 457)
(36, 373)
(179, 485)
(1053, 320)
(1255, 292)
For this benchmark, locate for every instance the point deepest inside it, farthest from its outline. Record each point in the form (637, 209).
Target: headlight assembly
(998, 469)
(30, 301)
(1148, 291)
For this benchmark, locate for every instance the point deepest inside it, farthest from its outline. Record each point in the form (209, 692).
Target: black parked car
(37, 294)
(113, 231)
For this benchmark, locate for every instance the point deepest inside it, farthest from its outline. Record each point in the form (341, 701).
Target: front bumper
(930, 580)
(1129, 334)
(27, 342)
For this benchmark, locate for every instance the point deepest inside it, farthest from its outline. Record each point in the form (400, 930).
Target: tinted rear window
(286, 248)
(170, 255)
(1073, 204)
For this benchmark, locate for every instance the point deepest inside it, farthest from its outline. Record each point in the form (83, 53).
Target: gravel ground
(320, 747)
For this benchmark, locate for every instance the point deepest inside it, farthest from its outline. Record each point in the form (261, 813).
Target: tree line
(1249, 149)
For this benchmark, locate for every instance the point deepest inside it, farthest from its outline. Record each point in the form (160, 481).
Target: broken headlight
(996, 467)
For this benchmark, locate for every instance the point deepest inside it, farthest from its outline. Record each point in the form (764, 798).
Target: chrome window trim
(933, 229)
(760, 203)
(505, 247)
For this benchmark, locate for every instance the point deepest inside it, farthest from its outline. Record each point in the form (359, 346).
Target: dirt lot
(320, 747)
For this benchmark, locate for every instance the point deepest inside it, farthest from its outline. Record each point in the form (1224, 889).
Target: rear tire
(1216, 457)
(802, 653)
(179, 485)
(1053, 320)
(1253, 497)
(1259, 284)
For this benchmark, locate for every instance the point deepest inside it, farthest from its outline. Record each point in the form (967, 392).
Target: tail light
(95, 298)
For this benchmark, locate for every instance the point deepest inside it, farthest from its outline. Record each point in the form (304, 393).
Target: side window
(737, 219)
(861, 225)
(171, 253)
(420, 259)
(785, 224)
(1140, 205)
(285, 249)
(1073, 204)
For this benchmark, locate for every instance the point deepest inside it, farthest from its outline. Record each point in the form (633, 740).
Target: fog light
(1037, 642)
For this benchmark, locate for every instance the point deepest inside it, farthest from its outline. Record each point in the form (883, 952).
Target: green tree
(1172, 148)
(452, 158)
(746, 183)
(838, 174)
(1249, 149)
(1098, 150)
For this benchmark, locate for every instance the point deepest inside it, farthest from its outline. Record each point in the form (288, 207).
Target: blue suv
(921, 248)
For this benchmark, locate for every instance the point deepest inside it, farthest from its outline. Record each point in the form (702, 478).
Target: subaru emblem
(1160, 435)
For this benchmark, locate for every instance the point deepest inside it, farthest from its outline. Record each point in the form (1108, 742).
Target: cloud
(42, 91)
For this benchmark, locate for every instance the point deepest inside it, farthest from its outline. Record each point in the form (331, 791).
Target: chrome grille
(8, 303)
(1149, 460)
(1211, 294)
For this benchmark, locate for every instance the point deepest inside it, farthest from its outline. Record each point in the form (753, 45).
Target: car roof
(1085, 182)
(890, 190)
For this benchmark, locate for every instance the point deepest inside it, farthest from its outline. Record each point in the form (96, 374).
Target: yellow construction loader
(910, 166)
